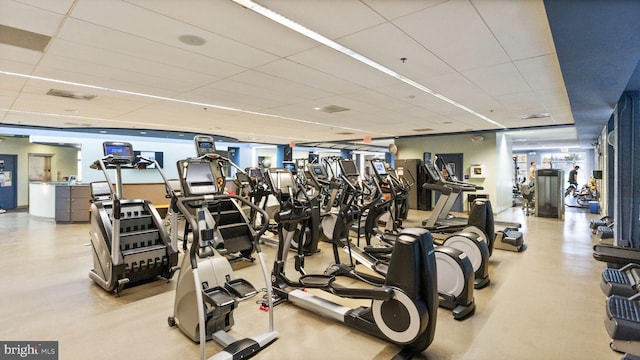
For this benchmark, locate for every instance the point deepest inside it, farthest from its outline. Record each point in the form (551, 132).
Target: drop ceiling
(257, 81)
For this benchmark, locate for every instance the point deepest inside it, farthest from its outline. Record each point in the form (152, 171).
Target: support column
(627, 171)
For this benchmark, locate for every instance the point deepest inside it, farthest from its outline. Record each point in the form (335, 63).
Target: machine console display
(199, 179)
(204, 144)
(121, 152)
(379, 168)
(319, 171)
(290, 165)
(349, 168)
(282, 181)
(432, 172)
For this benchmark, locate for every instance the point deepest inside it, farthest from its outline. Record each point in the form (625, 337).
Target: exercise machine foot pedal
(317, 281)
(240, 288)
(218, 297)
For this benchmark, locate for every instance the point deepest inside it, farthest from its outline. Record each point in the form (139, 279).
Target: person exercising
(532, 172)
(573, 179)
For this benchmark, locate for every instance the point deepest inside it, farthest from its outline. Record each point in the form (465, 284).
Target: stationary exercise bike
(207, 292)
(403, 310)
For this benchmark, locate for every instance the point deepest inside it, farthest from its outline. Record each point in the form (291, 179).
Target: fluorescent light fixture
(270, 14)
(164, 98)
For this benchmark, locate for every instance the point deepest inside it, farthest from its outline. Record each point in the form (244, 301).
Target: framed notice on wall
(6, 177)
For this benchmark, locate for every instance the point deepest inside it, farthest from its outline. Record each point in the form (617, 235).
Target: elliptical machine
(207, 292)
(454, 269)
(129, 241)
(404, 308)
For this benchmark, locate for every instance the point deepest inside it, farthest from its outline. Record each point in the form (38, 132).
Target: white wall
(497, 182)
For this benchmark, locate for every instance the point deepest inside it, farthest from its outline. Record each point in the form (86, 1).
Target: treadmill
(506, 237)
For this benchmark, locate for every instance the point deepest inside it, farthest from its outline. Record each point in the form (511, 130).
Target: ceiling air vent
(535, 116)
(70, 94)
(331, 108)
(345, 133)
(422, 130)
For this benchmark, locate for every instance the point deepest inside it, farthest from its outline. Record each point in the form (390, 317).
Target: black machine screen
(204, 144)
(289, 165)
(319, 171)
(255, 173)
(349, 168)
(379, 167)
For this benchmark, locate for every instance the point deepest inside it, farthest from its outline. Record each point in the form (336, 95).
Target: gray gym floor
(544, 303)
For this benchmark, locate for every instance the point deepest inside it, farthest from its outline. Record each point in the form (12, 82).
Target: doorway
(8, 181)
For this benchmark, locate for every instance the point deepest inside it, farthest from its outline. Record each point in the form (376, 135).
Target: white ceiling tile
(277, 86)
(84, 33)
(57, 6)
(106, 64)
(26, 17)
(396, 8)
(454, 32)
(138, 22)
(378, 99)
(287, 69)
(233, 21)
(332, 62)
(553, 97)
(542, 72)
(331, 18)
(498, 79)
(521, 27)
(387, 45)
(18, 60)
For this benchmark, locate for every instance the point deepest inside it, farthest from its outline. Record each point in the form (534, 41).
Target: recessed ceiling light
(103, 131)
(180, 134)
(192, 40)
(143, 133)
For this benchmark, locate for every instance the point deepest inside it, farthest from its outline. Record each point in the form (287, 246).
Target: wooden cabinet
(72, 203)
